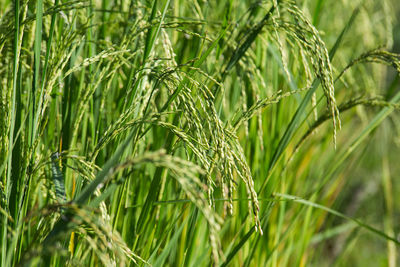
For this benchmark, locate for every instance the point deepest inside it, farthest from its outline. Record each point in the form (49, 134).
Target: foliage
(192, 133)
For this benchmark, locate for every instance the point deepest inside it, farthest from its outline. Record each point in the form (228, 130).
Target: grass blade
(339, 214)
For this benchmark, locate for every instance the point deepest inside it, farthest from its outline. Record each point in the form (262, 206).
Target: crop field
(199, 133)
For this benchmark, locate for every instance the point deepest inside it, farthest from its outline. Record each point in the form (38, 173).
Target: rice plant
(199, 133)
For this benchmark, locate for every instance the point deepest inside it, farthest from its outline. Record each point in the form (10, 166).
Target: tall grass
(195, 133)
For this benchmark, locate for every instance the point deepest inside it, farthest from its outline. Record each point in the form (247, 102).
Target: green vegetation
(199, 133)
